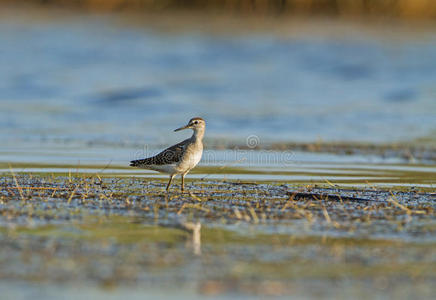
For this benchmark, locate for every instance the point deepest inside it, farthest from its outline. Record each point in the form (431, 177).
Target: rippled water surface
(87, 79)
(89, 91)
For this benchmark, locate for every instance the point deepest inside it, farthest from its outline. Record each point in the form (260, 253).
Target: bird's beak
(181, 128)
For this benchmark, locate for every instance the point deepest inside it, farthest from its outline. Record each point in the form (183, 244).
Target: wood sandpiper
(180, 158)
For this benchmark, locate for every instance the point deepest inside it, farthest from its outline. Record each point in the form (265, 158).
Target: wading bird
(180, 158)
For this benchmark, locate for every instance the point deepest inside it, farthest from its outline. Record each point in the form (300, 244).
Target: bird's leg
(183, 183)
(169, 182)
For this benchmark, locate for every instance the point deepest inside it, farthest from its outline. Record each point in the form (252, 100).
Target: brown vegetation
(419, 9)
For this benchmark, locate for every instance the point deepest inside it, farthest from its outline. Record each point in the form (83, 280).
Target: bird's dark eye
(196, 122)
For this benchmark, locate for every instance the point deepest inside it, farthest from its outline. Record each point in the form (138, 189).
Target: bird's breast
(191, 158)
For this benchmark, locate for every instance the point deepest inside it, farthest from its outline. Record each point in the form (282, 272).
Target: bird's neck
(198, 135)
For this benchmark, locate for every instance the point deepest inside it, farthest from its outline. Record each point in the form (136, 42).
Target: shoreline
(114, 233)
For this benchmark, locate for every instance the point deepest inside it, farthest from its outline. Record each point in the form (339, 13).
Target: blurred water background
(89, 80)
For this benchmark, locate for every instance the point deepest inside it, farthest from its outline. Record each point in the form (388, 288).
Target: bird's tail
(135, 163)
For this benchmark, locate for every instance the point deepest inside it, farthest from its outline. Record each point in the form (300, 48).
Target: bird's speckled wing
(170, 155)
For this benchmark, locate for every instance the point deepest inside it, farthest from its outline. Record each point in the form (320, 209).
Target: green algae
(128, 230)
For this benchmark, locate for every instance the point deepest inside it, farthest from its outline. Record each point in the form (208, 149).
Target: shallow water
(86, 79)
(86, 91)
(244, 165)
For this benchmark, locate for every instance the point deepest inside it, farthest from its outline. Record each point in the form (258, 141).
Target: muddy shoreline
(114, 233)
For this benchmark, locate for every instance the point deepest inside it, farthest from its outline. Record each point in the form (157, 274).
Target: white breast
(189, 161)
(196, 158)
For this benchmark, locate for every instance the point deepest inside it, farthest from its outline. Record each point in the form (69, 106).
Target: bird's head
(194, 124)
